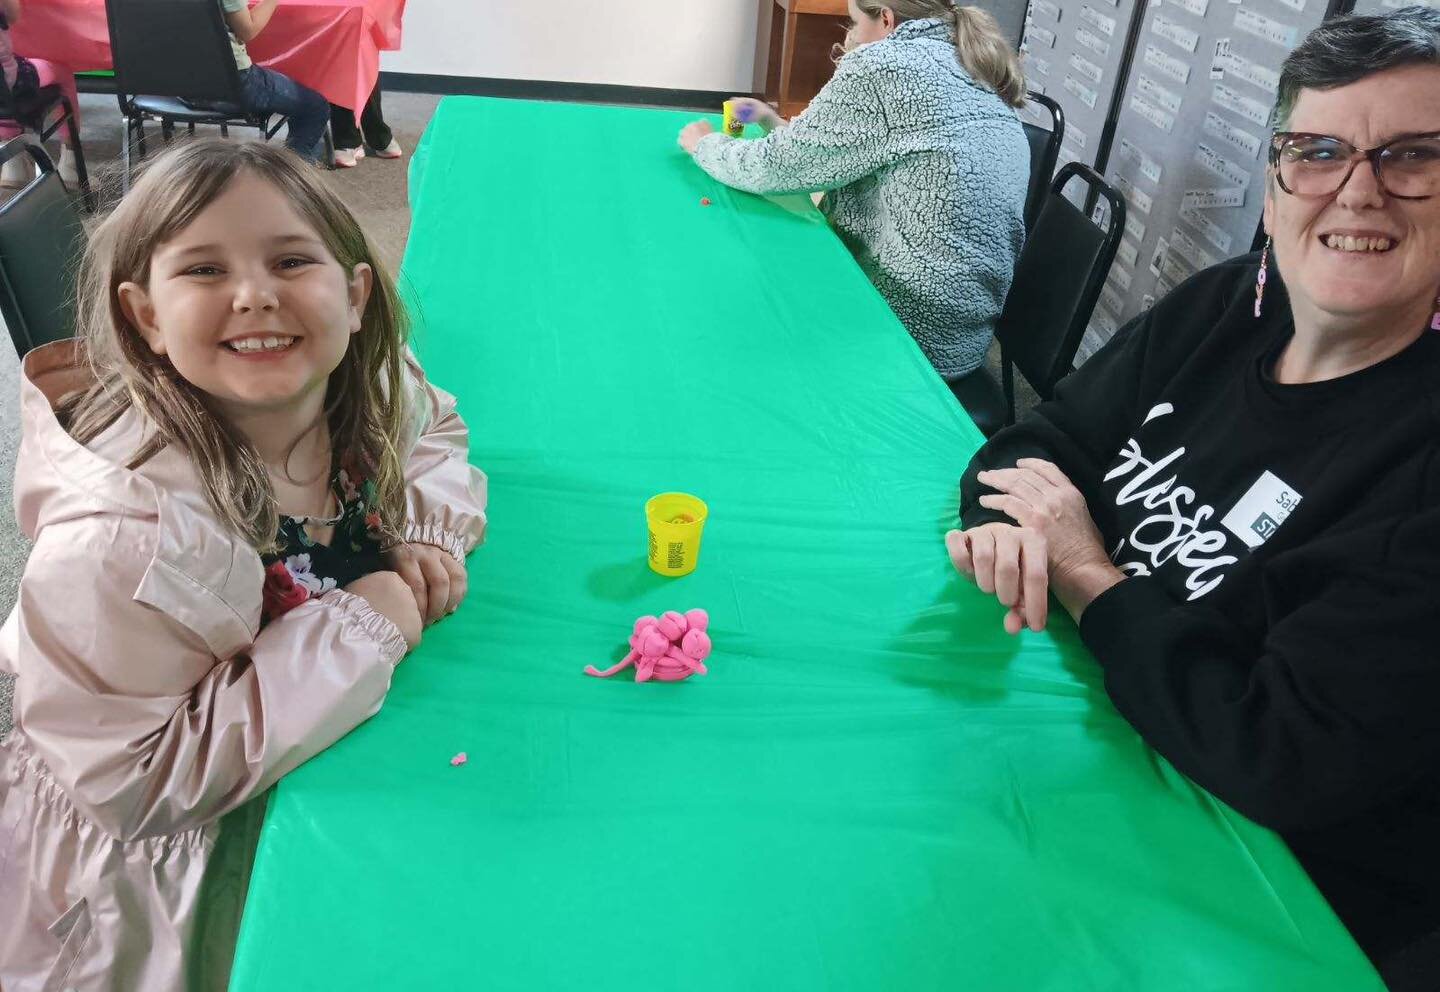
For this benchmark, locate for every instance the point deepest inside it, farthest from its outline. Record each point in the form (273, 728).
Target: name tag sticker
(1262, 510)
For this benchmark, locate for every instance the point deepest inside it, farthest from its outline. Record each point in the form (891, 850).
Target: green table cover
(874, 788)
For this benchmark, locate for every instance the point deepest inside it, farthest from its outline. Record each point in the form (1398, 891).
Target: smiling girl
(245, 501)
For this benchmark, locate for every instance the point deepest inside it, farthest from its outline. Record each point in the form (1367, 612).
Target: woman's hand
(1040, 498)
(691, 134)
(1010, 563)
(389, 596)
(752, 111)
(437, 581)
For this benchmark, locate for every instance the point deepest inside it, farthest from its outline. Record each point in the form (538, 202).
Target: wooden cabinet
(793, 49)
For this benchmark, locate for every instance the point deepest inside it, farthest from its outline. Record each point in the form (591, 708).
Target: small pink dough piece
(459, 760)
(697, 620)
(697, 645)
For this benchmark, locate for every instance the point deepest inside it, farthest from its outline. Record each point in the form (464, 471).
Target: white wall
(674, 44)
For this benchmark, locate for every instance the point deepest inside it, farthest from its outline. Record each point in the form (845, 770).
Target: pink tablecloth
(329, 45)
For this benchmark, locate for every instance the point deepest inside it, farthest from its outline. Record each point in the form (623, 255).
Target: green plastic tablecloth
(874, 788)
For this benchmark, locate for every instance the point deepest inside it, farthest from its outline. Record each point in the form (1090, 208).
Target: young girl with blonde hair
(245, 501)
(923, 162)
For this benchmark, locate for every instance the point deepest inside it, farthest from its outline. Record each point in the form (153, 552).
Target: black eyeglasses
(1407, 167)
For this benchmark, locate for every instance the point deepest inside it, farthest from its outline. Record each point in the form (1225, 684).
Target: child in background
(23, 77)
(924, 165)
(349, 148)
(245, 501)
(269, 92)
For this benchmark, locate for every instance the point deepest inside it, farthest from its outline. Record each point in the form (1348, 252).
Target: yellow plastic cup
(676, 521)
(734, 126)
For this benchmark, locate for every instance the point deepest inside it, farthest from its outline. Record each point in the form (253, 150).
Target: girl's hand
(388, 595)
(753, 111)
(437, 581)
(1041, 498)
(1010, 563)
(691, 134)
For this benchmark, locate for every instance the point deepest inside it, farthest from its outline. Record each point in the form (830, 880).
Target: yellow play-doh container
(676, 521)
(734, 126)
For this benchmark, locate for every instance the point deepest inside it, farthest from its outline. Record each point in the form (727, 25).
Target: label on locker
(1174, 269)
(1153, 114)
(1162, 248)
(1134, 228)
(1213, 199)
(1196, 7)
(1128, 253)
(1149, 168)
(1174, 33)
(1137, 198)
(1122, 277)
(1218, 127)
(1252, 72)
(1105, 25)
(1041, 66)
(1081, 92)
(1167, 65)
(1209, 230)
(1227, 170)
(1300, 4)
(1086, 68)
(1112, 300)
(1265, 28)
(1183, 245)
(1047, 7)
(1250, 109)
(1155, 93)
(1043, 36)
(1092, 41)
(1080, 137)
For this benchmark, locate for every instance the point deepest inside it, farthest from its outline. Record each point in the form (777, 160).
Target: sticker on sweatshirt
(1262, 510)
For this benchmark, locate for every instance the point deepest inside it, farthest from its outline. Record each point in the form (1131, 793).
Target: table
(874, 787)
(332, 46)
(793, 50)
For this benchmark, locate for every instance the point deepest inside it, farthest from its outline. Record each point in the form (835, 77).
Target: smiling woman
(1238, 498)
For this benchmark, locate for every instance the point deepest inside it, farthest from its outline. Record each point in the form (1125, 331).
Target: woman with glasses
(1238, 498)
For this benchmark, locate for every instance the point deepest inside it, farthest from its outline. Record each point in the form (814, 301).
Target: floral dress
(303, 568)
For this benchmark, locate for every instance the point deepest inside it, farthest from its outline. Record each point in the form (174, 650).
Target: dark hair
(1347, 49)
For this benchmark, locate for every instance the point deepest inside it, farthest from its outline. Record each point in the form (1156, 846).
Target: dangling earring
(1260, 279)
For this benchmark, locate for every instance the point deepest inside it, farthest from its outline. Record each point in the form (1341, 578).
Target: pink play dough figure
(667, 648)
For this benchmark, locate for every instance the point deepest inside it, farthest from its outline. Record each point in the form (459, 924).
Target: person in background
(925, 167)
(266, 91)
(349, 148)
(22, 78)
(1238, 497)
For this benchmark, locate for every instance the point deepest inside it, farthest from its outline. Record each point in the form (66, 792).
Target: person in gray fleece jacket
(925, 166)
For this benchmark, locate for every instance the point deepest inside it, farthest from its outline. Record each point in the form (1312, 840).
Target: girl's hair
(364, 400)
(979, 44)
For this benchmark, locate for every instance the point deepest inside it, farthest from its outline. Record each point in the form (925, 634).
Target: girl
(924, 162)
(22, 78)
(351, 139)
(244, 498)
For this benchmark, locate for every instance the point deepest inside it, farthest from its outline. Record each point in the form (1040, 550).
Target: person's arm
(1332, 712)
(840, 138)
(246, 24)
(146, 731)
(445, 495)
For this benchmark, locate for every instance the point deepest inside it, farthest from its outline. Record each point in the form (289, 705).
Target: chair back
(1057, 281)
(1044, 151)
(175, 48)
(41, 241)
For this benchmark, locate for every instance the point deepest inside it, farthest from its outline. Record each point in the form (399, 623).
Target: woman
(925, 165)
(23, 78)
(1238, 498)
(351, 138)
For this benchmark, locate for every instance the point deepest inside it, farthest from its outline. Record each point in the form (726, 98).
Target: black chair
(174, 64)
(41, 240)
(31, 112)
(1057, 281)
(1044, 152)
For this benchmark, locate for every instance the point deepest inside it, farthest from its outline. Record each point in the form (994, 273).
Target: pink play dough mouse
(667, 648)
